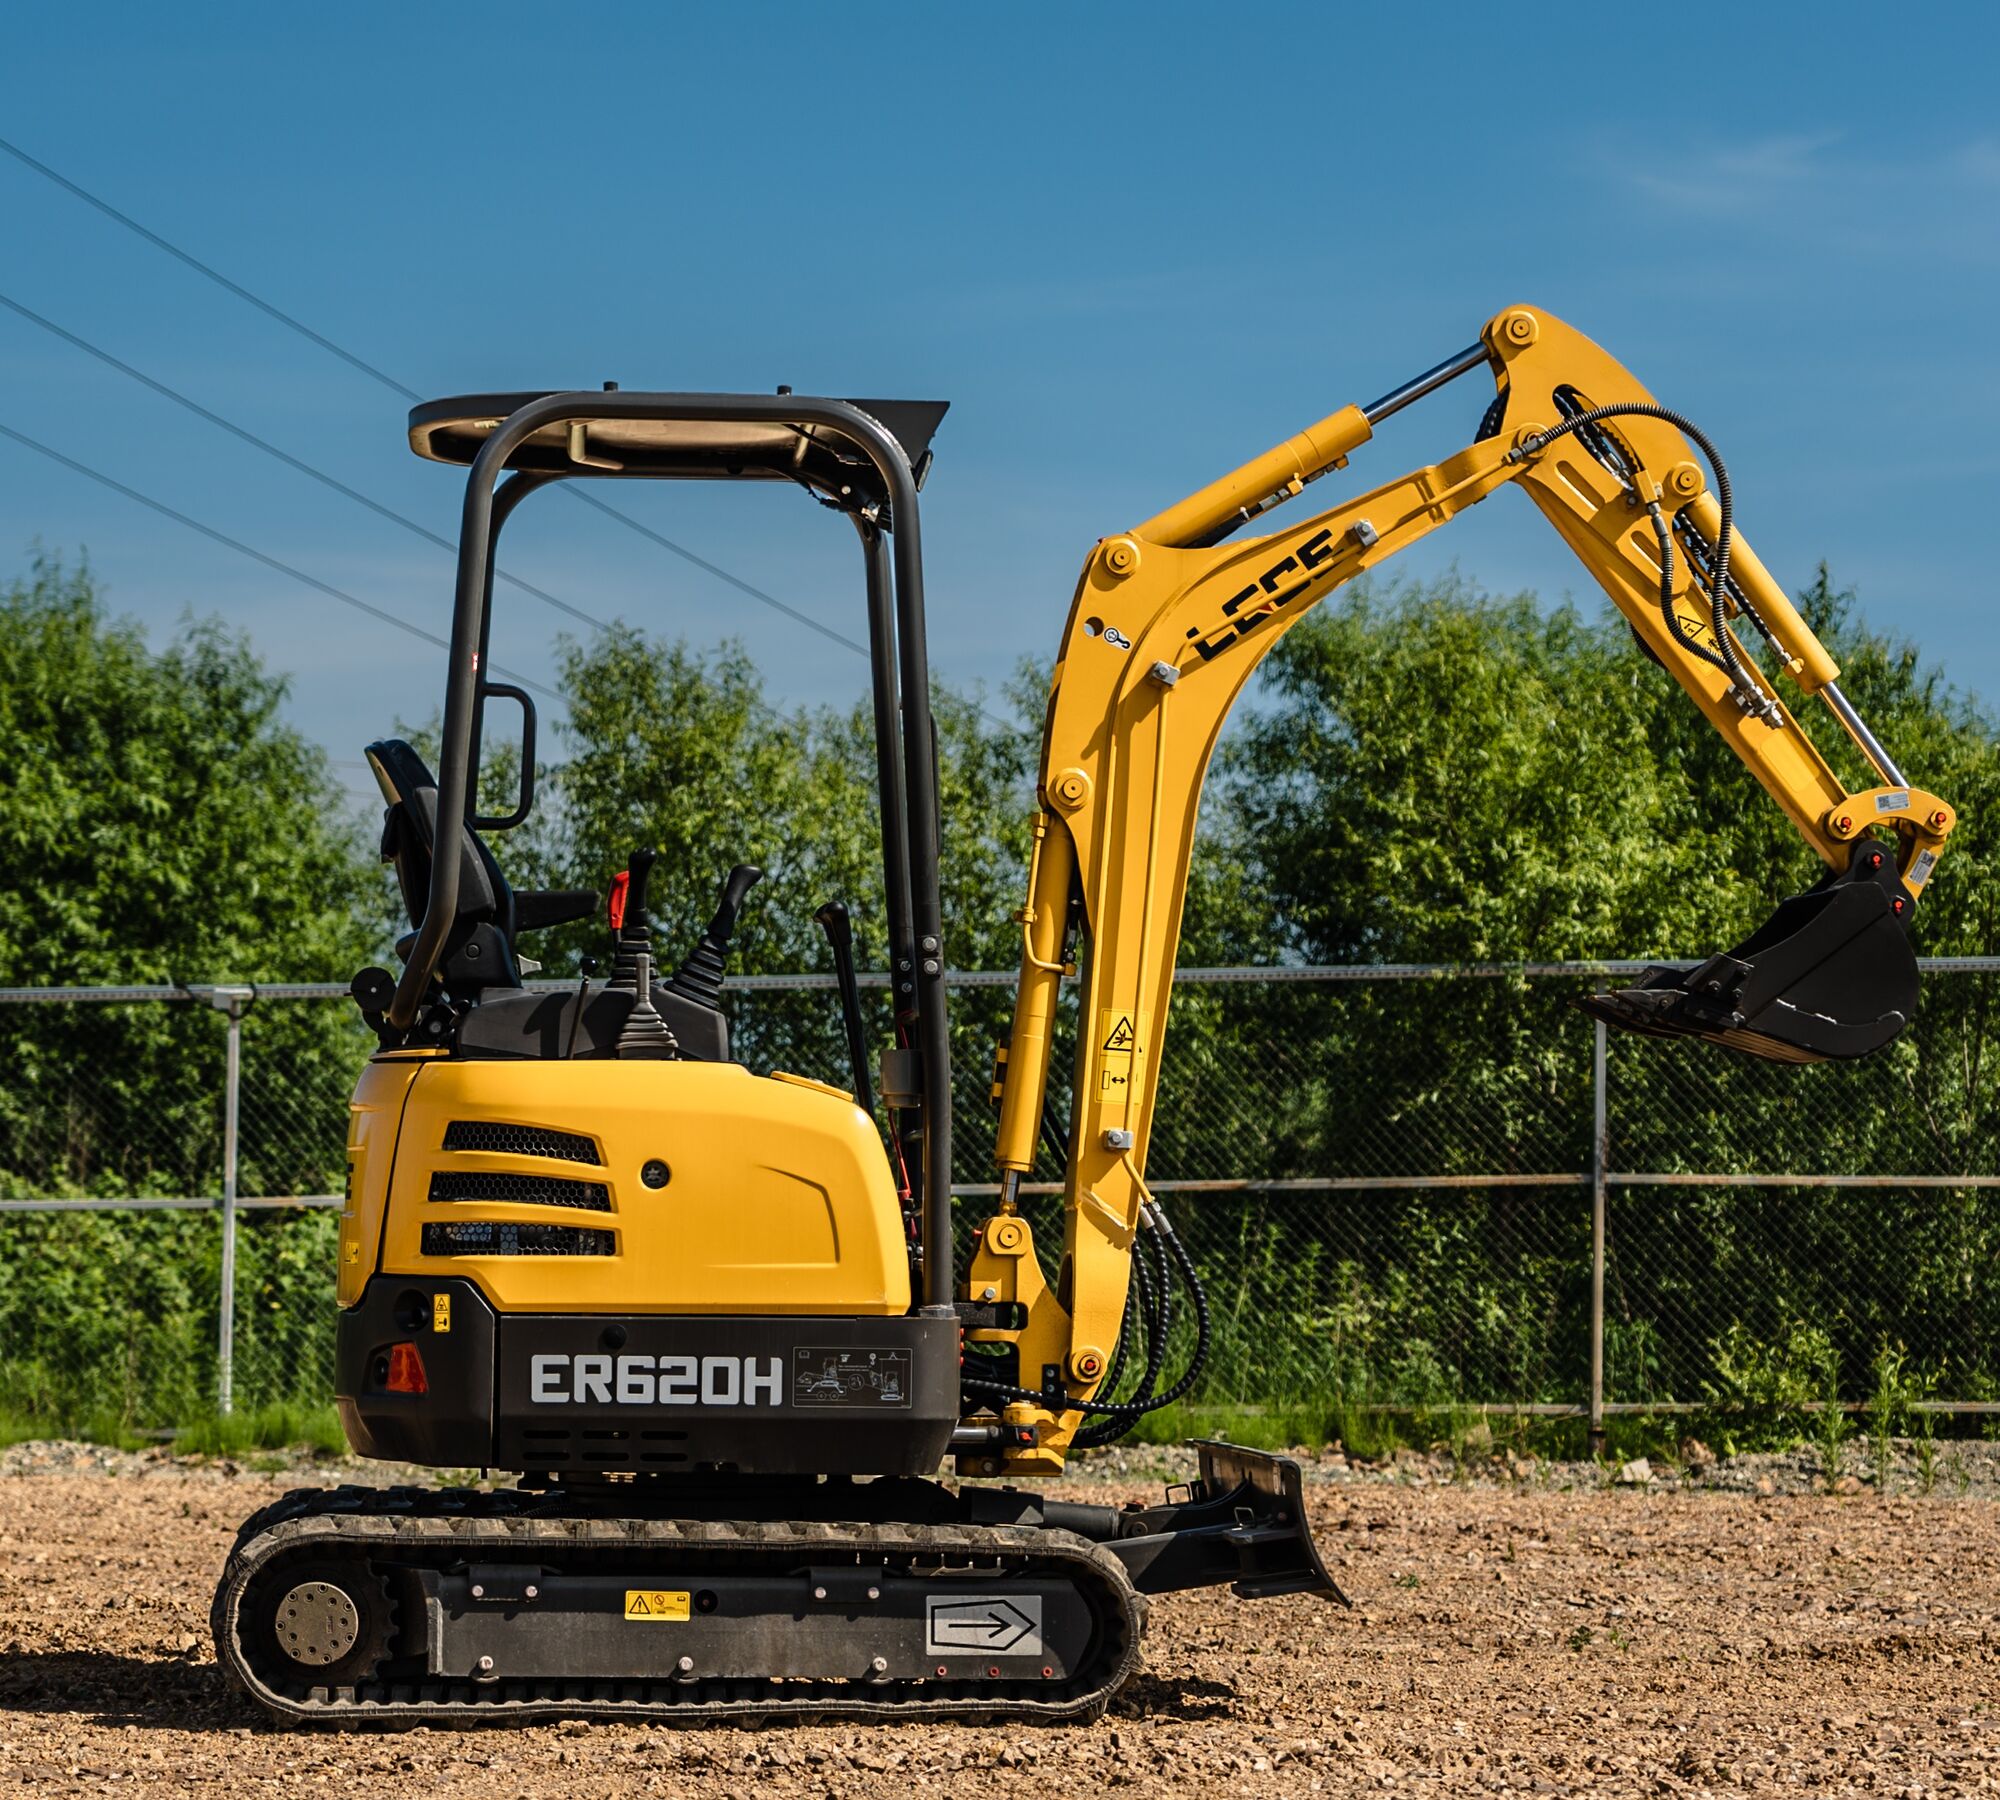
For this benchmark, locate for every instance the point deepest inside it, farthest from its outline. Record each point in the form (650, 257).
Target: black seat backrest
(409, 840)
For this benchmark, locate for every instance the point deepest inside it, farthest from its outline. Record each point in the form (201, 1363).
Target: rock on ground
(1596, 1640)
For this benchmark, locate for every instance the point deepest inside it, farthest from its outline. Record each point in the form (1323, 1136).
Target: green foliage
(1832, 1427)
(1255, 1426)
(157, 821)
(678, 750)
(1763, 1388)
(160, 823)
(1445, 776)
(1461, 751)
(1895, 1410)
(1433, 774)
(108, 1321)
(276, 1425)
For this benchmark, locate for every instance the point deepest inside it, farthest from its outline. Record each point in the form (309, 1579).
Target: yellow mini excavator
(721, 1343)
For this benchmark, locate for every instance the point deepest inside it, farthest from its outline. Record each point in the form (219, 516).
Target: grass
(1254, 1427)
(25, 1427)
(1468, 1434)
(280, 1425)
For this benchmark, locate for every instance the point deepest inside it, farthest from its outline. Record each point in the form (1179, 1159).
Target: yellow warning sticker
(1695, 628)
(440, 1312)
(653, 1603)
(351, 1250)
(1120, 1035)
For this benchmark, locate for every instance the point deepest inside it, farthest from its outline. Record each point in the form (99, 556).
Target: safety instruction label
(841, 1375)
(440, 1312)
(656, 1603)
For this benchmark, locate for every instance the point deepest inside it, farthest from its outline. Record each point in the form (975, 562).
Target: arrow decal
(983, 1624)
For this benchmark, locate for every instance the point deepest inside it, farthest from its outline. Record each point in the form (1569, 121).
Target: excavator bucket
(1829, 976)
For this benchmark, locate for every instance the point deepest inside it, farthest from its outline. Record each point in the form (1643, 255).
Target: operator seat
(479, 949)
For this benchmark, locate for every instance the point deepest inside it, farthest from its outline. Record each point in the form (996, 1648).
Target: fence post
(1600, 1159)
(231, 1002)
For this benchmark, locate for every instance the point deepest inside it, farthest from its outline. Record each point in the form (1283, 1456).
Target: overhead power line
(720, 573)
(201, 268)
(396, 387)
(251, 551)
(284, 456)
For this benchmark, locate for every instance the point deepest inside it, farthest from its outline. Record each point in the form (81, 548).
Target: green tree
(159, 823)
(1441, 775)
(672, 748)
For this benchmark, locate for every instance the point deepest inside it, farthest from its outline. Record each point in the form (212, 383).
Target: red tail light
(406, 1371)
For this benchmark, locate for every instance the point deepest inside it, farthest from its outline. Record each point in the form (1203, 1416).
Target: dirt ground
(1521, 1635)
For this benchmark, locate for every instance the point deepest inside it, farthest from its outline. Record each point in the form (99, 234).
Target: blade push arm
(1167, 626)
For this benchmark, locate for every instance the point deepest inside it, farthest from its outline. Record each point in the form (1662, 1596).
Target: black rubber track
(401, 1528)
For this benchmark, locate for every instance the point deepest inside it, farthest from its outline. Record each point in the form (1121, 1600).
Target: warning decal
(656, 1604)
(1119, 1050)
(440, 1312)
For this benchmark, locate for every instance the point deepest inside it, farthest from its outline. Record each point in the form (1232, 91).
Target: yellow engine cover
(777, 1196)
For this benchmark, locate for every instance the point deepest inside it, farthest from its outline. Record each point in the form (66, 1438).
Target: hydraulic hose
(1129, 1409)
(1748, 692)
(1158, 1322)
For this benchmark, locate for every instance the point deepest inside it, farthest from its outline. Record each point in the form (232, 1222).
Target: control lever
(833, 920)
(645, 1036)
(699, 978)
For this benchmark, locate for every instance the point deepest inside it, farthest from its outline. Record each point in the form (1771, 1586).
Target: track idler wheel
(325, 1623)
(1829, 976)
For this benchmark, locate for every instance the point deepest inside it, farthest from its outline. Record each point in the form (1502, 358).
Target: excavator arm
(1169, 623)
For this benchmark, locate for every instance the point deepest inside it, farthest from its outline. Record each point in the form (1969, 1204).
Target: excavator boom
(1170, 620)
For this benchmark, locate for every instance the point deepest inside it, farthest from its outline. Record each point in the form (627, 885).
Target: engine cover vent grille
(502, 1189)
(520, 1140)
(485, 1237)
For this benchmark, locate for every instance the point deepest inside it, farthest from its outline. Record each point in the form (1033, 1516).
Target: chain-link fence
(1405, 1187)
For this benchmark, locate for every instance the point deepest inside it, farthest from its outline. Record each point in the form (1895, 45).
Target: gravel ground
(1556, 1631)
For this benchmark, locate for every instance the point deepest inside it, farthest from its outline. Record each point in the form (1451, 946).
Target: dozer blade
(1272, 1536)
(1242, 1521)
(1829, 976)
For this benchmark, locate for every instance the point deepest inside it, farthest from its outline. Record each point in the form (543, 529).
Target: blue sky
(1131, 245)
